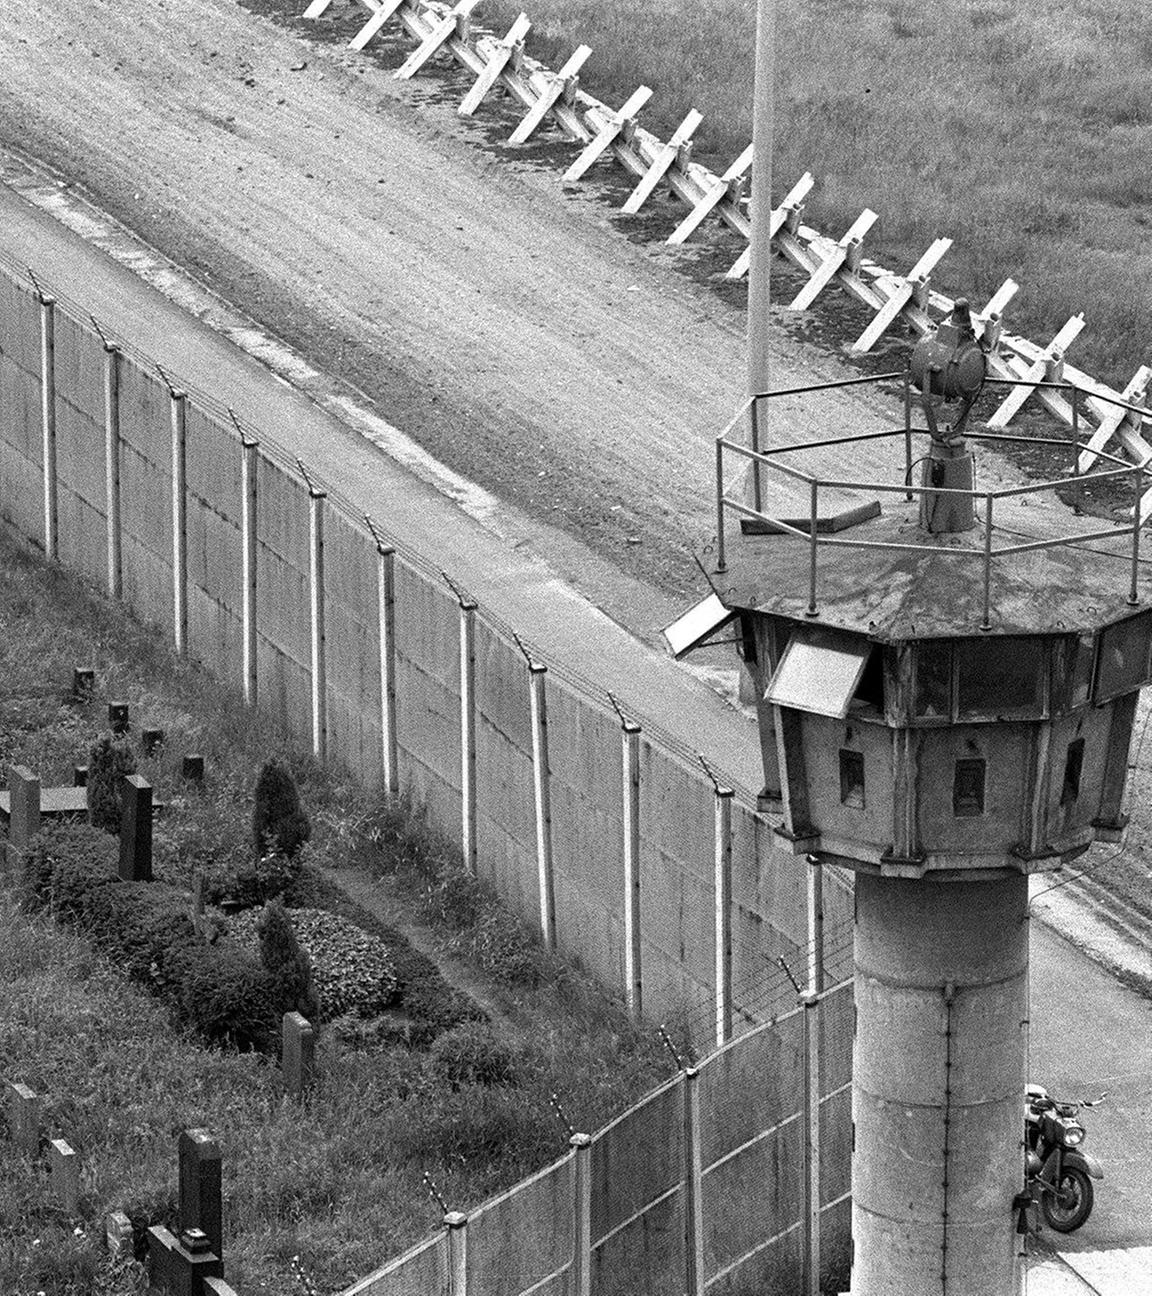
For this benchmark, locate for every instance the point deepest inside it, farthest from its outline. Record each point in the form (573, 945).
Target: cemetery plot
(86, 1133)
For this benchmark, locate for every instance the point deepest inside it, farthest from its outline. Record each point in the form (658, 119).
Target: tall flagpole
(758, 273)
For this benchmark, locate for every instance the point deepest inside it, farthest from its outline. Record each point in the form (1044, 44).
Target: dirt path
(498, 321)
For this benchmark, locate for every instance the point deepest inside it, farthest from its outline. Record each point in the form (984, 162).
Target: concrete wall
(677, 838)
(750, 1148)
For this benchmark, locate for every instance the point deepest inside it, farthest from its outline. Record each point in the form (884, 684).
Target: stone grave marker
(118, 1235)
(135, 829)
(64, 1166)
(297, 1054)
(193, 768)
(24, 1118)
(200, 1203)
(23, 813)
(118, 717)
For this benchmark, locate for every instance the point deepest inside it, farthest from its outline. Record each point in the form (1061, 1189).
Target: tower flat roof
(895, 594)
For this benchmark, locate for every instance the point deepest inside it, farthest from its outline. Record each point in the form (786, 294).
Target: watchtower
(946, 697)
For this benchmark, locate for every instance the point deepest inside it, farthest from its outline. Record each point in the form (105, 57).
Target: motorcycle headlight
(1073, 1135)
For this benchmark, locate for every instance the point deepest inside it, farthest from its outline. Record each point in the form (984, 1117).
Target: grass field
(1022, 129)
(338, 1182)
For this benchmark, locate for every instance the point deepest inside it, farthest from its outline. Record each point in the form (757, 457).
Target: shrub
(472, 1054)
(289, 968)
(225, 994)
(146, 930)
(279, 825)
(109, 760)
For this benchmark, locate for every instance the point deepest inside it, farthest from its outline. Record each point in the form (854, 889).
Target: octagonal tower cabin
(943, 717)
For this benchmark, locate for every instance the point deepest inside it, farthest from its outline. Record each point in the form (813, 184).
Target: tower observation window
(852, 778)
(1001, 676)
(1123, 663)
(968, 788)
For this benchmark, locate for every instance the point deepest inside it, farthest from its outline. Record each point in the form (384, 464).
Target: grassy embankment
(1024, 133)
(340, 1181)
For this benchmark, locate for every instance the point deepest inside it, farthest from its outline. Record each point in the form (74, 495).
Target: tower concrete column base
(938, 1085)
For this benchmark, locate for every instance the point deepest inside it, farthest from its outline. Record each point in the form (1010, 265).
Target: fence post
(456, 1222)
(581, 1284)
(815, 924)
(541, 776)
(316, 498)
(48, 421)
(386, 580)
(695, 1277)
(248, 472)
(178, 401)
(468, 731)
(810, 1285)
(723, 916)
(633, 976)
(112, 467)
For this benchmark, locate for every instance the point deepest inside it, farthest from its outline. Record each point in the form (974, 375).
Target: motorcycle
(1058, 1174)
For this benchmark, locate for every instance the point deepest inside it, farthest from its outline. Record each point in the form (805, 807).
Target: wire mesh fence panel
(524, 1237)
(420, 1271)
(645, 1256)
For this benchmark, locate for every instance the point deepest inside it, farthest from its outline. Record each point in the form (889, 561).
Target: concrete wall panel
(521, 1237)
(637, 1158)
(20, 408)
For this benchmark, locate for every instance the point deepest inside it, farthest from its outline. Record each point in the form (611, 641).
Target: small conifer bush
(287, 965)
(279, 825)
(109, 760)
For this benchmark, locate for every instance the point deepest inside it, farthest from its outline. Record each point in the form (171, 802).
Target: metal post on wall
(386, 609)
(630, 805)
(693, 1184)
(249, 466)
(179, 404)
(810, 1002)
(468, 606)
(581, 1283)
(316, 498)
(48, 421)
(542, 791)
(722, 890)
(815, 924)
(112, 468)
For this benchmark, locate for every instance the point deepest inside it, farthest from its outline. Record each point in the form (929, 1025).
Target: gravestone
(118, 717)
(24, 812)
(64, 1166)
(83, 683)
(79, 775)
(179, 1265)
(151, 740)
(297, 1054)
(118, 1235)
(135, 829)
(193, 768)
(200, 1206)
(24, 1118)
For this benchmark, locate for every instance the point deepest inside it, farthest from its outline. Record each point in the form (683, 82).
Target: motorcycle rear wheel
(1070, 1204)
